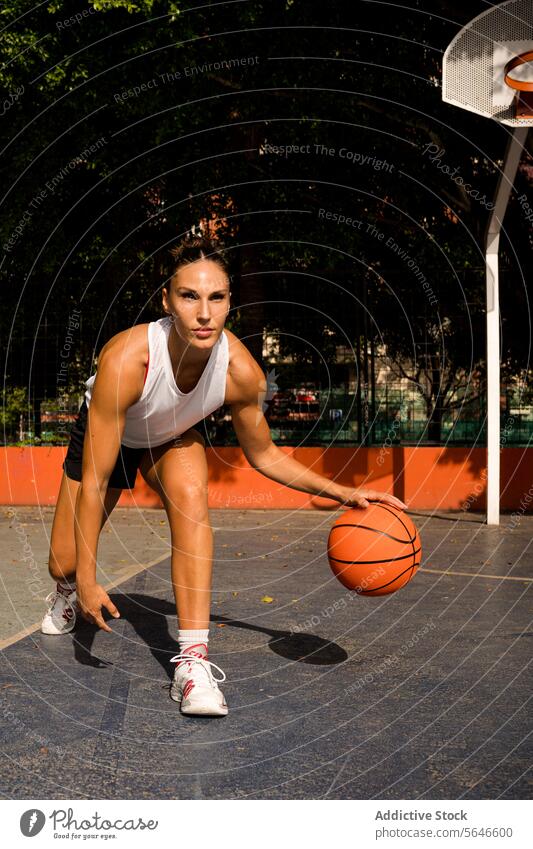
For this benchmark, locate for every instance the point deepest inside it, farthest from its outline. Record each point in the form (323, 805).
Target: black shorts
(125, 471)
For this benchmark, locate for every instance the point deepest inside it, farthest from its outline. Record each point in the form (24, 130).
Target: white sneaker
(60, 618)
(194, 686)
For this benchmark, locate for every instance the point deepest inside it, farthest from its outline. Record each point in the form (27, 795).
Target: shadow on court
(149, 618)
(420, 694)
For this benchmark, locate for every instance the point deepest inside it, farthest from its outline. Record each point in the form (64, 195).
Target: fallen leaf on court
(267, 599)
(162, 522)
(235, 595)
(239, 553)
(221, 624)
(43, 750)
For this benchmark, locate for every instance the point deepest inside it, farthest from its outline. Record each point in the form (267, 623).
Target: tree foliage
(137, 120)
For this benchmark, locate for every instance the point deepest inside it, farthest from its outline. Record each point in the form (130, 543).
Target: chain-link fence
(374, 413)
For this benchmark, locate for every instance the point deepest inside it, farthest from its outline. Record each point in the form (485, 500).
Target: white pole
(492, 244)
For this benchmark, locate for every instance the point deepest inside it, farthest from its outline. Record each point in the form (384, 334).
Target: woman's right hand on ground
(91, 599)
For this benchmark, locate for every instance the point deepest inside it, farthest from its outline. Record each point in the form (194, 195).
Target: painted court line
(129, 572)
(477, 575)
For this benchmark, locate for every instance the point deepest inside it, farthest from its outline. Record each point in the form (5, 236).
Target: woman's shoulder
(133, 341)
(121, 367)
(125, 356)
(244, 373)
(237, 350)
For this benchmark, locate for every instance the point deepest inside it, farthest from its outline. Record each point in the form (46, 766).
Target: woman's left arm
(263, 455)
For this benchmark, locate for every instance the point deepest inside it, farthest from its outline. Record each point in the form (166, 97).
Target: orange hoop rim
(519, 85)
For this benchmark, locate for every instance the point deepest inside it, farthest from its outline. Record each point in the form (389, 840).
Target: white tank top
(163, 411)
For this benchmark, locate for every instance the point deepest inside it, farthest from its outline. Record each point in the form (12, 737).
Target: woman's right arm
(117, 386)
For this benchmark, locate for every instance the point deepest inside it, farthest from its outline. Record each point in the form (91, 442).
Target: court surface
(418, 695)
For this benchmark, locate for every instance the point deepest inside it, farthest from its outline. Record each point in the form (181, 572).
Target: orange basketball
(374, 551)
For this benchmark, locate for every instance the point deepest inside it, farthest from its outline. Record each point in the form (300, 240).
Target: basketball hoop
(476, 76)
(523, 104)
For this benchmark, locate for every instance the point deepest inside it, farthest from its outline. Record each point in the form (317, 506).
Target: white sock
(195, 640)
(66, 586)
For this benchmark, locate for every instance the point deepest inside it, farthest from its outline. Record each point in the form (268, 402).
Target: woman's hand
(362, 497)
(91, 599)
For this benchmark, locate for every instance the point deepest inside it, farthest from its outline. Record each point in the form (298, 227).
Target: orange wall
(426, 478)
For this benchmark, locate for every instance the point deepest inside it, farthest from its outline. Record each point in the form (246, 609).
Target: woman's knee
(61, 559)
(178, 470)
(186, 498)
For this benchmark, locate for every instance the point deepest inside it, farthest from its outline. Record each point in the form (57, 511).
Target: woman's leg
(62, 559)
(177, 471)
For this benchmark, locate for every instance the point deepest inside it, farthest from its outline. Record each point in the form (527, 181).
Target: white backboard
(472, 71)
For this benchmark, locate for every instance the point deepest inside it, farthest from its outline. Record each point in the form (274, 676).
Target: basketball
(374, 551)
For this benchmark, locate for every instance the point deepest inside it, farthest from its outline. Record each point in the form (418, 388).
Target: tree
(14, 412)
(107, 160)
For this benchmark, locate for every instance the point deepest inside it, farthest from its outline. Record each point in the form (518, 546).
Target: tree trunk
(434, 428)
(435, 403)
(251, 302)
(251, 288)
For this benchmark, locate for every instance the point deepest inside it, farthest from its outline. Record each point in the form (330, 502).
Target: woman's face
(198, 298)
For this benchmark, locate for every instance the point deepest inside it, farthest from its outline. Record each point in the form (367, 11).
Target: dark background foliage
(131, 173)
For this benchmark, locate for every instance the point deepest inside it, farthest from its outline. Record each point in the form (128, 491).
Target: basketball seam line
(406, 529)
(374, 589)
(365, 562)
(376, 531)
(401, 521)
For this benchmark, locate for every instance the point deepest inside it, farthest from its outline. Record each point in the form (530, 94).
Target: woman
(153, 383)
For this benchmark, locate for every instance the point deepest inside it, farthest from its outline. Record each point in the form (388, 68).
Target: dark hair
(193, 248)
